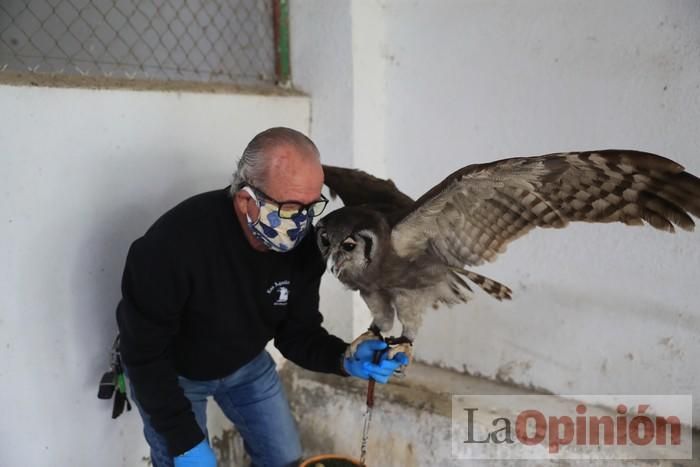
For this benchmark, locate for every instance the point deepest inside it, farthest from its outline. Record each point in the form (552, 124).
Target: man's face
(291, 177)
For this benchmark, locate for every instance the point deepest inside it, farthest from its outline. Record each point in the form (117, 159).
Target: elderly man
(209, 284)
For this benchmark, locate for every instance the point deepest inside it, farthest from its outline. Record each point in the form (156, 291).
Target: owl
(406, 256)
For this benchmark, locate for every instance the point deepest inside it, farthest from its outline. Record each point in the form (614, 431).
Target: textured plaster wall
(336, 60)
(321, 58)
(596, 309)
(84, 173)
(412, 422)
(425, 87)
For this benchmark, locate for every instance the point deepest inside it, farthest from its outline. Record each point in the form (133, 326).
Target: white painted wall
(321, 58)
(335, 59)
(596, 309)
(83, 174)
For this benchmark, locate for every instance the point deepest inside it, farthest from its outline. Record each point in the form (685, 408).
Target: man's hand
(360, 364)
(199, 456)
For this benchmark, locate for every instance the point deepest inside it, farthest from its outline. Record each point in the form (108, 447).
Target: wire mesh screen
(199, 40)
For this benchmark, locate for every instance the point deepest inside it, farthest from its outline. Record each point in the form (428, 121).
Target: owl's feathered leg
(379, 305)
(409, 306)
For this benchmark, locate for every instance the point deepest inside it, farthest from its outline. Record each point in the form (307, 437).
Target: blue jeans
(253, 399)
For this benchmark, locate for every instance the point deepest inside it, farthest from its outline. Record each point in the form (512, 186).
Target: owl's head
(353, 239)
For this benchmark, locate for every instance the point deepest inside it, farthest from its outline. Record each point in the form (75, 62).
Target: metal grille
(197, 40)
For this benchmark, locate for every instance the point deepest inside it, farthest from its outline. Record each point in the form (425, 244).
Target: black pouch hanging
(113, 383)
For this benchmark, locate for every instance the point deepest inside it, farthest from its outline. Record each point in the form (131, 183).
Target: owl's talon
(400, 344)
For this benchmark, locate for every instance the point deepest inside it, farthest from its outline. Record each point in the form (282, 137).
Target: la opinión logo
(582, 430)
(572, 427)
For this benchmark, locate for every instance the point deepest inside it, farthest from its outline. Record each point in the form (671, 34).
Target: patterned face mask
(278, 234)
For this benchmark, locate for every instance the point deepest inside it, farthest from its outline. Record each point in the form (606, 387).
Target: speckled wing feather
(474, 213)
(356, 187)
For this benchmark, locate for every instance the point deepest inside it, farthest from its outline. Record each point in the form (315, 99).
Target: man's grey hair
(254, 163)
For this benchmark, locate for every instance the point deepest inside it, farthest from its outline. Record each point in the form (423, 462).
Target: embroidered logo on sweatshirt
(280, 291)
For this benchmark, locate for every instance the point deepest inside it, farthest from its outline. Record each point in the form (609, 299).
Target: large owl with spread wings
(405, 256)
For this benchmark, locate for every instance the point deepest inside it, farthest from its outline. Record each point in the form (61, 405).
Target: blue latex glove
(199, 456)
(361, 366)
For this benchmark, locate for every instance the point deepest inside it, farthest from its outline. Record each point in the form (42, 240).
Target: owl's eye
(348, 244)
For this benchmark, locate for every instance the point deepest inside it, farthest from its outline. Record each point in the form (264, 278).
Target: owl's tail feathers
(490, 286)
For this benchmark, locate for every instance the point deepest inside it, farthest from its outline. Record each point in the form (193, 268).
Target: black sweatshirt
(199, 301)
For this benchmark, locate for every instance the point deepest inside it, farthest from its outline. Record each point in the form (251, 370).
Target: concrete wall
(84, 173)
(336, 59)
(596, 309)
(321, 58)
(412, 423)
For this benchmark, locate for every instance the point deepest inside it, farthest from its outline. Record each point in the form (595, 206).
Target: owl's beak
(336, 265)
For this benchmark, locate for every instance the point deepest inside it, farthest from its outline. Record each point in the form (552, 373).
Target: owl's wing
(474, 213)
(356, 187)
